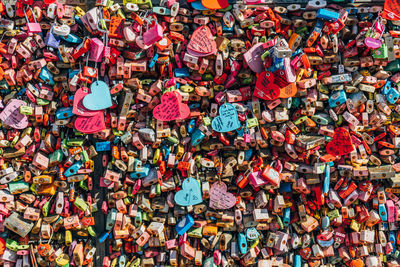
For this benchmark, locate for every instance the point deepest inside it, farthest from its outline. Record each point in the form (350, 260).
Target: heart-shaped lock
(265, 87)
(341, 143)
(197, 5)
(253, 57)
(99, 98)
(93, 124)
(227, 120)
(215, 4)
(171, 108)
(11, 115)
(287, 89)
(190, 193)
(279, 78)
(140, 43)
(78, 108)
(202, 42)
(220, 198)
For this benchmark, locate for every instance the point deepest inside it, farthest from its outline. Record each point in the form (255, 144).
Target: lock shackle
(2, 36)
(33, 15)
(101, 18)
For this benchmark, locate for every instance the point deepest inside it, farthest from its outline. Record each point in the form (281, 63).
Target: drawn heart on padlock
(163, 42)
(86, 221)
(99, 97)
(93, 124)
(171, 108)
(341, 143)
(265, 87)
(227, 120)
(61, 30)
(78, 108)
(190, 193)
(202, 42)
(215, 4)
(91, 72)
(11, 115)
(220, 198)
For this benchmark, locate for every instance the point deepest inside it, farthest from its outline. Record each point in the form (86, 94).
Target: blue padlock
(392, 239)
(278, 64)
(248, 154)
(337, 98)
(103, 146)
(103, 237)
(166, 151)
(21, 92)
(327, 179)
(297, 261)
(252, 233)
(382, 212)
(327, 14)
(285, 187)
(194, 105)
(286, 216)
(185, 224)
(242, 243)
(141, 172)
(191, 126)
(72, 73)
(153, 61)
(226, 28)
(72, 38)
(196, 137)
(73, 169)
(182, 72)
(64, 113)
(46, 76)
(393, 95)
(386, 87)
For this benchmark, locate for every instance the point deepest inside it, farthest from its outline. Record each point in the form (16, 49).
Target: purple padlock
(51, 40)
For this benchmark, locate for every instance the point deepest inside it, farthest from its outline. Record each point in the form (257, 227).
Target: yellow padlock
(62, 260)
